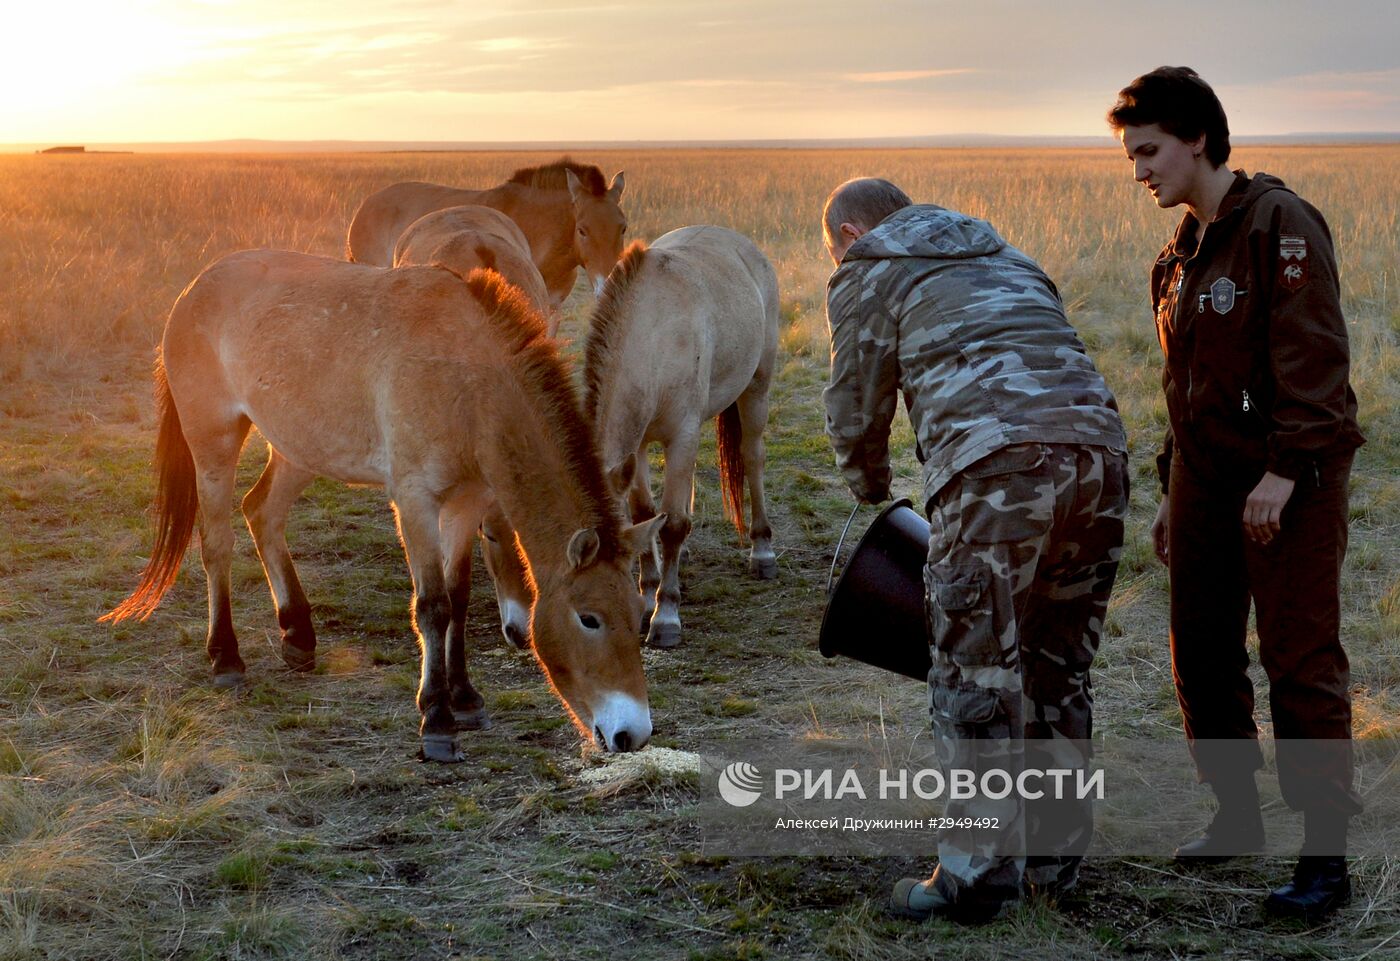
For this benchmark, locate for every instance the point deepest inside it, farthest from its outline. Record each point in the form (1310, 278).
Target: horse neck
(546, 218)
(522, 453)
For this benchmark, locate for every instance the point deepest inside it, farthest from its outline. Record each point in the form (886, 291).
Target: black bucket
(876, 614)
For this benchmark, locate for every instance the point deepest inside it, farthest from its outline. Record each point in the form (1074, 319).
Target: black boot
(1237, 828)
(1320, 885)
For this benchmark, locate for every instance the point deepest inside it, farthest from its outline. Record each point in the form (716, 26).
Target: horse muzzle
(622, 724)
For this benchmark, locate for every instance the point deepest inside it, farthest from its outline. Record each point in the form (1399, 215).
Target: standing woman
(1254, 475)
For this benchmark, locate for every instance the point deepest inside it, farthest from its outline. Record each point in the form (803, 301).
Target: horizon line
(451, 146)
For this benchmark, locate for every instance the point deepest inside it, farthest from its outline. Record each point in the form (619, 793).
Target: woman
(1254, 475)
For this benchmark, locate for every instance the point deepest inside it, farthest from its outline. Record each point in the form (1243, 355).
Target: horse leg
(457, 526)
(677, 494)
(417, 515)
(265, 509)
(215, 454)
(641, 507)
(513, 594)
(753, 417)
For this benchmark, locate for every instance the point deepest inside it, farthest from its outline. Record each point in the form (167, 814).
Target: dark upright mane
(552, 177)
(603, 327)
(546, 375)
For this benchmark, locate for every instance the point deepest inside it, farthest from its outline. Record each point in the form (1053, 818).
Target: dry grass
(144, 815)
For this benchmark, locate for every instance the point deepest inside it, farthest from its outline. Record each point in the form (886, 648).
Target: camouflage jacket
(934, 304)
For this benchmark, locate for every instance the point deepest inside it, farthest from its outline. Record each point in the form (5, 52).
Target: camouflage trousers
(1023, 552)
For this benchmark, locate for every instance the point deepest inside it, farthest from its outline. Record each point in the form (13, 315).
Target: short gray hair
(864, 201)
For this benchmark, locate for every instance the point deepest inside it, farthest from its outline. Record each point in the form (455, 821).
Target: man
(1025, 484)
(1254, 474)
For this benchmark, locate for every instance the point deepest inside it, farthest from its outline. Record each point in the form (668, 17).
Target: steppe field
(144, 814)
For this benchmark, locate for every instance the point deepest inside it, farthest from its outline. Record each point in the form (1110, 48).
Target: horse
(365, 375)
(569, 214)
(684, 331)
(465, 238)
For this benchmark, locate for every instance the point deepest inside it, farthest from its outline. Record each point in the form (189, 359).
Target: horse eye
(589, 622)
(583, 231)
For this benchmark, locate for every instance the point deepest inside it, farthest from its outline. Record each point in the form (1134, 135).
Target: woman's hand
(1159, 529)
(1264, 508)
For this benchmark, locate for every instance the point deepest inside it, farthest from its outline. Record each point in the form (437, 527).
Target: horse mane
(605, 324)
(552, 176)
(546, 375)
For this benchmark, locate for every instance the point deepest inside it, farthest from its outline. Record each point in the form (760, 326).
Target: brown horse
(569, 214)
(685, 331)
(365, 375)
(465, 238)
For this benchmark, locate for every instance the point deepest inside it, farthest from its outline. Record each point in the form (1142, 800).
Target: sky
(93, 71)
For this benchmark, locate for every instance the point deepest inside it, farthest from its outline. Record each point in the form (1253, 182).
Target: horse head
(599, 226)
(584, 627)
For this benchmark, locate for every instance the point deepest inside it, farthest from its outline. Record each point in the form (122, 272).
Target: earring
(1196, 156)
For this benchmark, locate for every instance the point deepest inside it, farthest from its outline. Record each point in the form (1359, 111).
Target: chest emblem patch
(1292, 261)
(1222, 295)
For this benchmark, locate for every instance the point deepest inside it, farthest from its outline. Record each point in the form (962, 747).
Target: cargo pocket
(964, 705)
(961, 625)
(1006, 497)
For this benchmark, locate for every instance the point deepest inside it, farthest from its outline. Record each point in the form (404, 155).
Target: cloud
(896, 76)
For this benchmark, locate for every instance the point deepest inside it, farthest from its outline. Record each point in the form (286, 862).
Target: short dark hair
(864, 201)
(1181, 103)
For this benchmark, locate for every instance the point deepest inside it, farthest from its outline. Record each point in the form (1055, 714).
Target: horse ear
(583, 548)
(575, 188)
(638, 538)
(615, 188)
(620, 477)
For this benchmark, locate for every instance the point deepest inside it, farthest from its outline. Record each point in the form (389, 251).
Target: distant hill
(940, 140)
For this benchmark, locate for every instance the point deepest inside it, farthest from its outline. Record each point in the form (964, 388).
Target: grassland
(143, 814)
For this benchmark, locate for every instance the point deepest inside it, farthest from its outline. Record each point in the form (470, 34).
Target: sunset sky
(181, 70)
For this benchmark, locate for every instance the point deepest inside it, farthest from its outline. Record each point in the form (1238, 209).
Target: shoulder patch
(1292, 261)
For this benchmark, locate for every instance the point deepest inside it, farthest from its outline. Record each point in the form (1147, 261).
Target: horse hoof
(764, 568)
(441, 748)
(473, 719)
(298, 659)
(663, 636)
(230, 680)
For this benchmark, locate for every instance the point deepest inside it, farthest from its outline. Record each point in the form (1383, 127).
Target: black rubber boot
(1320, 886)
(1237, 828)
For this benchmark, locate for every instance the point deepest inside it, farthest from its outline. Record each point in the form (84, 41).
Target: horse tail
(176, 506)
(729, 437)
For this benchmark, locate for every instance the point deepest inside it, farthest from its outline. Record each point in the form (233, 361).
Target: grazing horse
(566, 210)
(465, 238)
(684, 331)
(364, 375)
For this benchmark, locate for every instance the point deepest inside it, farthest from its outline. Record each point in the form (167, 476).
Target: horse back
(464, 238)
(719, 294)
(347, 370)
(385, 214)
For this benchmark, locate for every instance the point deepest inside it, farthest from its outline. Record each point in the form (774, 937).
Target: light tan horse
(566, 210)
(465, 238)
(685, 331)
(365, 375)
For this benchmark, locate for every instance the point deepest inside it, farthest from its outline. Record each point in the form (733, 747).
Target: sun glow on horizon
(137, 71)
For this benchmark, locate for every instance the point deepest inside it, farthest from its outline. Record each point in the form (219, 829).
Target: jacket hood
(925, 230)
(1246, 190)
(1241, 196)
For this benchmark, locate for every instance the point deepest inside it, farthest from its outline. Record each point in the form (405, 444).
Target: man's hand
(1265, 506)
(1159, 529)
